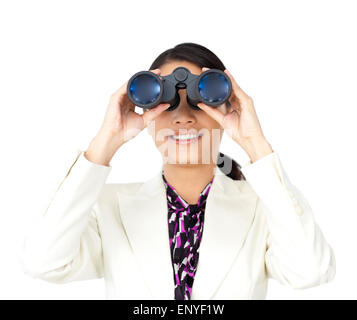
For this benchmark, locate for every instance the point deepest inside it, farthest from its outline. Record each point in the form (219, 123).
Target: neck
(189, 180)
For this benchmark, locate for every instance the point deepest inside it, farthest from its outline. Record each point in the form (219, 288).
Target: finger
(120, 92)
(150, 115)
(121, 99)
(156, 71)
(212, 112)
(237, 89)
(205, 69)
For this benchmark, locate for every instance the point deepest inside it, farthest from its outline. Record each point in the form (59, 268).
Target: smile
(185, 138)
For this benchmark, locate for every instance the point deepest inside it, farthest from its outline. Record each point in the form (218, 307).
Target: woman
(200, 228)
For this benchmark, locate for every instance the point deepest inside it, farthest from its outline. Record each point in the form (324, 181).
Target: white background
(61, 61)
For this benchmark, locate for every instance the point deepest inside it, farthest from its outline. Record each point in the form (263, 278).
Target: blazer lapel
(144, 215)
(228, 216)
(230, 211)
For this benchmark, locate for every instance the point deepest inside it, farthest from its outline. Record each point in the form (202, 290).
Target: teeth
(186, 136)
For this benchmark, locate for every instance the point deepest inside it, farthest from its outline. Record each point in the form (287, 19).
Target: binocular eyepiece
(147, 89)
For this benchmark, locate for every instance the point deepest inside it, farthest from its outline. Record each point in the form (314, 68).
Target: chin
(185, 160)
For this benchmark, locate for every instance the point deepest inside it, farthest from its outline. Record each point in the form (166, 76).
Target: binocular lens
(213, 87)
(145, 89)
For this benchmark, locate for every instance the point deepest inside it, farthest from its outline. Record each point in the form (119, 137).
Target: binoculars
(147, 89)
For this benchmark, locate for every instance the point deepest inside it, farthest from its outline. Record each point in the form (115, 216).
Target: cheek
(209, 123)
(155, 127)
(213, 124)
(159, 130)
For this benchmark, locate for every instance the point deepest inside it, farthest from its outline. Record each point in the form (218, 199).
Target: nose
(183, 114)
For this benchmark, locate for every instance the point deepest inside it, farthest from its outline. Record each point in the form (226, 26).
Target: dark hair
(202, 57)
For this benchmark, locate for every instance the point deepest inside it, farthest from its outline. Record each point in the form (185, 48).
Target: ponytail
(230, 167)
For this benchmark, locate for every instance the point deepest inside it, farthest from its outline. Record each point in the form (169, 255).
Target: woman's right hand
(121, 124)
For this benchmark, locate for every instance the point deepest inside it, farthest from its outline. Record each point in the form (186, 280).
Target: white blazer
(254, 230)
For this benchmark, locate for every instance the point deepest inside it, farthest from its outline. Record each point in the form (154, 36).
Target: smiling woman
(206, 149)
(200, 228)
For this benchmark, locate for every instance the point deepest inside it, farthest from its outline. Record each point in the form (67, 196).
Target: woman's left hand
(240, 121)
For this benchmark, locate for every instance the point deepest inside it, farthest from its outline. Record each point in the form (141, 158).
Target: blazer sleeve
(64, 244)
(297, 254)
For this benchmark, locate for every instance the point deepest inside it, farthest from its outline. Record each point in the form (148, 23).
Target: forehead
(170, 66)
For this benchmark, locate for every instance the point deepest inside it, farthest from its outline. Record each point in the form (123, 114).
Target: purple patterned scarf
(185, 233)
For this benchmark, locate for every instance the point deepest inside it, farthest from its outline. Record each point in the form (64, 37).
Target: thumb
(212, 112)
(150, 115)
